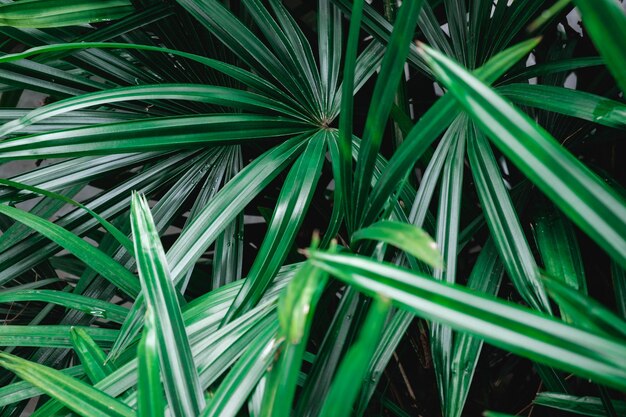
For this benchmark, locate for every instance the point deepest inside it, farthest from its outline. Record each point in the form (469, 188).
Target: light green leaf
(296, 307)
(407, 237)
(584, 311)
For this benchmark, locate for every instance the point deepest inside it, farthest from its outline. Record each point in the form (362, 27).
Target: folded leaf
(404, 236)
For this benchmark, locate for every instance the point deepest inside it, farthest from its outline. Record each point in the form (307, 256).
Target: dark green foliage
(256, 208)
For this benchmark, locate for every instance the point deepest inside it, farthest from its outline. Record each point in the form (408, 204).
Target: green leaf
(548, 15)
(605, 20)
(366, 65)
(439, 116)
(296, 308)
(52, 13)
(344, 388)
(327, 359)
(382, 99)
(74, 394)
(447, 235)
(92, 306)
(180, 376)
(244, 376)
(45, 208)
(553, 67)
(151, 402)
(485, 278)
(112, 202)
(430, 179)
(91, 355)
(149, 135)
(344, 175)
(23, 390)
(221, 96)
(115, 232)
(504, 224)
(569, 102)
(329, 31)
(243, 43)
(228, 254)
(578, 192)
(557, 243)
(456, 13)
(407, 237)
(292, 50)
(379, 27)
(339, 198)
(96, 259)
(291, 207)
(503, 324)
(496, 414)
(202, 231)
(585, 312)
(200, 317)
(50, 336)
(586, 406)
(618, 275)
(245, 77)
(394, 332)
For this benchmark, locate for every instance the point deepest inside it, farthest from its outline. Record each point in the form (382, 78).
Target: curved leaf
(87, 253)
(53, 13)
(222, 96)
(569, 102)
(407, 237)
(74, 394)
(92, 306)
(149, 135)
(503, 324)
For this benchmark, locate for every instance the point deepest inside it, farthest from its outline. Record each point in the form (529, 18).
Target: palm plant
(235, 212)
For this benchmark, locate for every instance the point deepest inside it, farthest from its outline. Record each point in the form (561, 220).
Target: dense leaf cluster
(256, 208)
